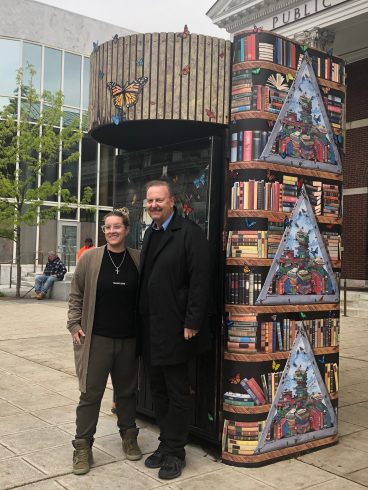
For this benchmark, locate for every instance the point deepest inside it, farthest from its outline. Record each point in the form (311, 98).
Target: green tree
(28, 145)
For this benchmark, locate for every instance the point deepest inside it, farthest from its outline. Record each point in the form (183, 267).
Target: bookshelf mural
(302, 135)
(301, 272)
(301, 410)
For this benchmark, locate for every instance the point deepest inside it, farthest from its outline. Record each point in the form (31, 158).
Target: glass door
(68, 242)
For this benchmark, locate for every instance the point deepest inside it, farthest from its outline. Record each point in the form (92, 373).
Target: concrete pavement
(38, 394)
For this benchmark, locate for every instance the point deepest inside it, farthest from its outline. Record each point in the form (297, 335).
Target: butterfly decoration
(233, 174)
(115, 38)
(256, 71)
(210, 417)
(139, 61)
(228, 322)
(303, 315)
(210, 114)
(314, 252)
(200, 181)
(317, 119)
(321, 359)
(117, 119)
(257, 29)
(101, 74)
(246, 269)
(184, 71)
(289, 77)
(185, 33)
(326, 90)
(270, 123)
(134, 200)
(300, 183)
(283, 155)
(187, 209)
(270, 175)
(222, 54)
(275, 365)
(287, 222)
(249, 224)
(304, 47)
(235, 380)
(127, 95)
(330, 52)
(95, 46)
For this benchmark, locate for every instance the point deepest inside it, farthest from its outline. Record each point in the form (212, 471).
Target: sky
(148, 15)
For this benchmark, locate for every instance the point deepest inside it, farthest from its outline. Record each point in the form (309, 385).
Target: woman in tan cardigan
(101, 321)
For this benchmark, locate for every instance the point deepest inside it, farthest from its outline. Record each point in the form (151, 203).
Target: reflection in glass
(9, 64)
(50, 173)
(89, 166)
(5, 101)
(33, 111)
(107, 155)
(32, 56)
(84, 121)
(70, 116)
(72, 182)
(72, 79)
(185, 165)
(85, 82)
(52, 70)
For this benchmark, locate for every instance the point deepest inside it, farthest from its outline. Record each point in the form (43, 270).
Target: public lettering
(275, 20)
(306, 13)
(324, 4)
(296, 13)
(288, 17)
(305, 10)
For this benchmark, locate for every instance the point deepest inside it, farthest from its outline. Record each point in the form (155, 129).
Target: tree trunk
(17, 260)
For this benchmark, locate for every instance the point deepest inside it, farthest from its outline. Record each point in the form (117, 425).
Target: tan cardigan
(82, 301)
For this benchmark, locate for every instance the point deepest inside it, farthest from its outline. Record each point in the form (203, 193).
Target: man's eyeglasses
(108, 228)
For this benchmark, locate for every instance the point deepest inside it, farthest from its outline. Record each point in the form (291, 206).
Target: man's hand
(189, 333)
(78, 338)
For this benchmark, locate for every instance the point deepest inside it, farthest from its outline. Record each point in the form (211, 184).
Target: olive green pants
(116, 357)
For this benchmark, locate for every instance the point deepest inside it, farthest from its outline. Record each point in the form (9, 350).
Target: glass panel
(32, 56)
(68, 244)
(88, 225)
(33, 112)
(89, 166)
(9, 64)
(70, 213)
(72, 79)
(5, 101)
(50, 173)
(70, 115)
(28, 240)
(84, 121)
(52, 70)
(185, 165)
(48, 239)
(72, 183)
(107, 155)
(85, 82)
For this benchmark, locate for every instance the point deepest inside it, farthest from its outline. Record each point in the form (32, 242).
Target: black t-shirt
(116, 297)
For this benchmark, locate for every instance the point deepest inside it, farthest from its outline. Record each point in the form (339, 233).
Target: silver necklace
(117, 267)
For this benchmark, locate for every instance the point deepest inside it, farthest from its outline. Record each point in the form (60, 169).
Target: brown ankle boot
(130, 444)
(82, 456)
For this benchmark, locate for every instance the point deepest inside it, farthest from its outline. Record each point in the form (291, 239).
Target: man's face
(159, 203)
(51, 257)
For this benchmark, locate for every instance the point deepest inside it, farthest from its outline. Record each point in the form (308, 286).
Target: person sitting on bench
(54, 271)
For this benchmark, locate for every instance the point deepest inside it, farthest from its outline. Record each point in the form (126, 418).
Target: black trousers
(116, 357)
(170, 390)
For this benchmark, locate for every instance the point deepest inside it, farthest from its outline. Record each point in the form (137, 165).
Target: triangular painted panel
(301, 410)
(301, 271)
(302, 134)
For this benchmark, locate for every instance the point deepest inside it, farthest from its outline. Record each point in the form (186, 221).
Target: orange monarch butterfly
(127, 95)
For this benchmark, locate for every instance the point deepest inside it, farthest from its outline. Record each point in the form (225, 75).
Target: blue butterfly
(95, 46)
(330, 52)
(283, 154)
(287, 222)
(139, 62)
(321, 360)
(249, 224)
(200, 182)
(115, 38)
(117, 119)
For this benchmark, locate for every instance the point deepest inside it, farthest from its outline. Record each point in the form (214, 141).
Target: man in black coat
(173, 308)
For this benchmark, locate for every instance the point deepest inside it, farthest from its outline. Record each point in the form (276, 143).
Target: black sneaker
(156, 460)
(171, 468)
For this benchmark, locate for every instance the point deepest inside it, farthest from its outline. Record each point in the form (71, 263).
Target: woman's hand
(189, 333)
(78, 337)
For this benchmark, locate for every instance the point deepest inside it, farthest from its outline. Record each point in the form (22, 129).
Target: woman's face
(115, 231)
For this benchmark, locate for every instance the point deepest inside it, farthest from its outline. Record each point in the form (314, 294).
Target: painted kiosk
(180, 106)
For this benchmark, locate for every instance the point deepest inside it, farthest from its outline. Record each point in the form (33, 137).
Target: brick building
(342, 26)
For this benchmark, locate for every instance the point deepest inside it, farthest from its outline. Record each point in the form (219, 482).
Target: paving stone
(348, 428)
(33, 403)
(287, 475)
(112, 444)
(337, 483)
(16, 471)
(5, 453)
(339, 459)
(58, 415)
(58, 460)
(222, 479)
(360, 476)
(106, 426)
(351, 396)
(354, 414)
(357, 440)
(117, 476)
(7, 409)
(34, 440)
(48, 484)
(20, 422)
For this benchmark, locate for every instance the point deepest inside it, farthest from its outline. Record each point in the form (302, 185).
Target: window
(32, 56)
(52, 70)
(85, 82)
(72, 79)
(9, 64)
(89, 166)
